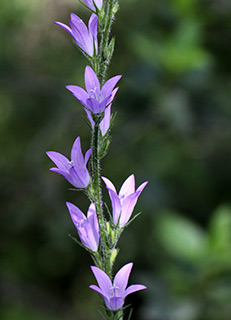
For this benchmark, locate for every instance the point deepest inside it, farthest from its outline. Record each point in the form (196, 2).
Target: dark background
(173, 128)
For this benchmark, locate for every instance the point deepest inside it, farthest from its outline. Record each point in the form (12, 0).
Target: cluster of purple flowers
(97, 100)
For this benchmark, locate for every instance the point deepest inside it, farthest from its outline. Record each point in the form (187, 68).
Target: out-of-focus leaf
(181, 237)
(220, 230)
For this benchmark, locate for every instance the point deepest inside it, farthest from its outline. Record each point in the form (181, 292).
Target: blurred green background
(173, 128)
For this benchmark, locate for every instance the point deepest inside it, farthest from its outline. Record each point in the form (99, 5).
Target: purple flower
(105, 123)
(86, 38)
(88, 228)
(124, 203)
(93, 4)
(95, 99)
(114, 294)
(75, 171)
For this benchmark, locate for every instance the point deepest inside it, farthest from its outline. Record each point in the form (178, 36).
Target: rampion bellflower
(93, 4)
(95, 99)
(86, 38)
(75, 171)
(124, 202)
(114, 294)
(87, 227)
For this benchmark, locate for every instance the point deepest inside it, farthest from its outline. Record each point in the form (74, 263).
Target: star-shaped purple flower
(93, 4)
(87, 227)
(95, 99)
(114, 294)
(75, 171)
(124, 202)
(86, 38)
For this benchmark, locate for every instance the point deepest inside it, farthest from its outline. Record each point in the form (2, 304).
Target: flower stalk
(97, 235)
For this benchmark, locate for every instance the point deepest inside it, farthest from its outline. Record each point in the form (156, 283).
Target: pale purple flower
(114, 294)
(124, 202)
(94, 3)
(105, 123)
(95, 99)
(75, 171)
(86, 38)
(87, 227)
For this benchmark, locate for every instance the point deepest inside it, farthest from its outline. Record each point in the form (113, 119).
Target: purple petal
(60, 160)
(65, 174)
(75, 18)
(76, 213)
(103, 104)
(134, 288)
(105, 123)
(103, 280)
(92, 27)
(128, 207)
(108, 86)
(121, 278)
(97, 289)
(76, 153)
(89, 117)
(98, 3)
(78, 92)
(90, 4)
(79, 176)
(93, 105)
(113, 94)
(92, 212)
(141, 187)
(87, 156)
(81, 36)
(109, 184)
(116, 205)
(91, 81)
(65, 27)
(128, 186)
(114, 303)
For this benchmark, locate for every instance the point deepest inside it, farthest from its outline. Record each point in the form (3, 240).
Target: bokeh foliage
(172, 128)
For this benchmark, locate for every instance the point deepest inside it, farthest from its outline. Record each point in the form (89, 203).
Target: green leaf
(181, 237)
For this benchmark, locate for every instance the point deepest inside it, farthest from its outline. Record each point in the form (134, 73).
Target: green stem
(103, 62)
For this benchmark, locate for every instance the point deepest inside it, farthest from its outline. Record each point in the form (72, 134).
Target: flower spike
(85, 38)
(75, 171)
(95, 99)
(115, 294)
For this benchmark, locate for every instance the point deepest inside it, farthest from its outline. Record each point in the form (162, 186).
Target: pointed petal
(90, 4)
(87, 156)
(60, 160)
(65, 174)
(81, 36)
(134, 288)
(105, 123)
(108, 86)
(76, 213)
(79, 176)
(103, 104)
(116, 205)
(65, 27)
(128, 207)
(113, 94)
(89, 117)
(78, 92)
(92, 25)
(128, 186)
(98, 3)
(76, 153)
(121, 278)
(109, 184)
(91, 81)
(97, 289)
(103, 280)
(141, 187)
